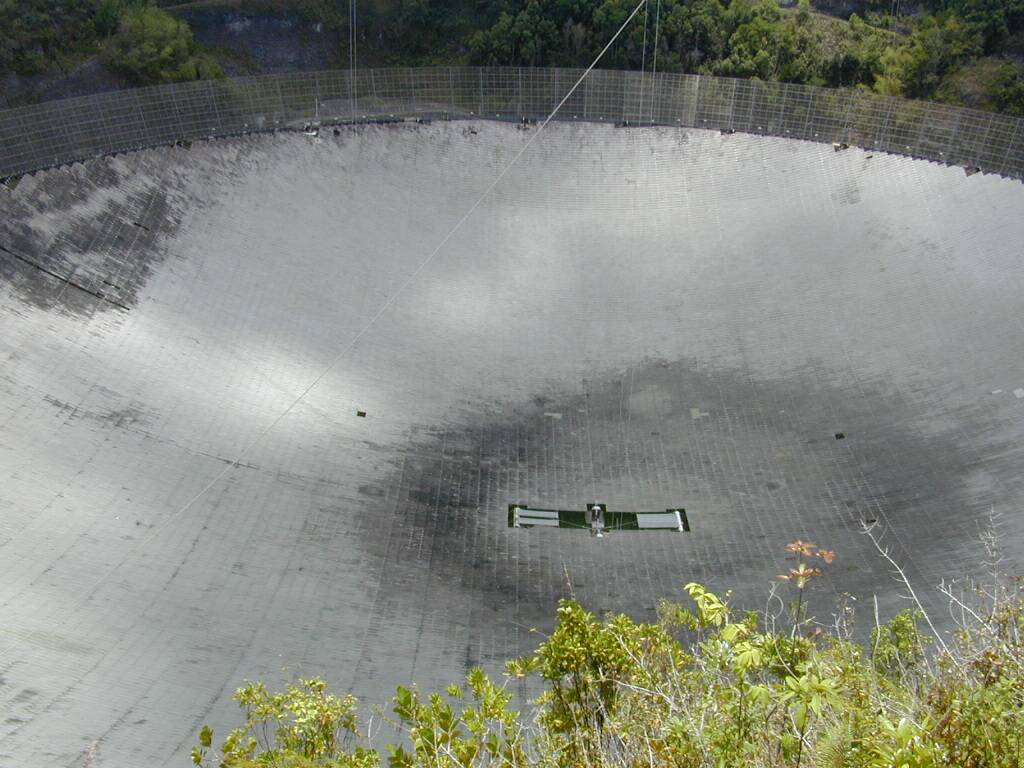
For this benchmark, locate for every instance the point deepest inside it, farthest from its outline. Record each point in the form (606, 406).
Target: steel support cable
(643, 69)
(362, 332)
(654, 67)
(352, 56)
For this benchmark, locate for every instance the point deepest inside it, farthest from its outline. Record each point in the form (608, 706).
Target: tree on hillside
(992, 83)
(936, 47)
(528, 38)
(151, 46)
(695, 32)
(857, 59)
(34, 33)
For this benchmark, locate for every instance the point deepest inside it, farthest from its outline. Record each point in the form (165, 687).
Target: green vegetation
(151, 46)
(139, 40)
(35, 34)
(699, 688)
(991, 83)
(957, 51)
(933, 55)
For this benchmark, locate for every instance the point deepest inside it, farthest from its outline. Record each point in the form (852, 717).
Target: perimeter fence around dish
(58, 132)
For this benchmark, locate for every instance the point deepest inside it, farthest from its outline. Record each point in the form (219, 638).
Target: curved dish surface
(644, 317)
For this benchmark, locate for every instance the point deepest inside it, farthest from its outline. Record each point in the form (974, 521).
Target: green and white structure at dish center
(598, 519)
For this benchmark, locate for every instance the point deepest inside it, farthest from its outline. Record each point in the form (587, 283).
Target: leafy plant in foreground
(702, 687)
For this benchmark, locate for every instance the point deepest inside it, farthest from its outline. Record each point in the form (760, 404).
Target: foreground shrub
(700, 688)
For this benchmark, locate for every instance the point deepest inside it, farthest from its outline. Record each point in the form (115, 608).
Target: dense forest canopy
(967, 52)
